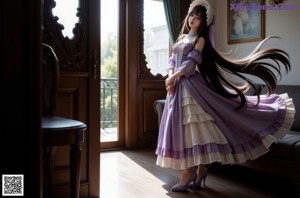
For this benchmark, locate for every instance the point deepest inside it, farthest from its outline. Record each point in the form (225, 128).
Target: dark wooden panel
(149, 116)
(66, 103)
(149, 91)
(71, 103)
(63, 190)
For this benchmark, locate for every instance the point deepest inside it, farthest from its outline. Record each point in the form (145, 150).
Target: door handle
(95, 63)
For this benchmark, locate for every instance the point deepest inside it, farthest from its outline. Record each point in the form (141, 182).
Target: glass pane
(109, 70)
(156, 37)
(67, 17)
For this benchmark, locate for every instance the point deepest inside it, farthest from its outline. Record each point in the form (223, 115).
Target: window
(66, 17)
(156, 37)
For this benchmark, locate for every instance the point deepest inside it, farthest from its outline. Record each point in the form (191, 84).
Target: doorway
(111, 132)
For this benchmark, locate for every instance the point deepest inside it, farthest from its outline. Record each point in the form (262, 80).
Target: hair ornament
(209, 11)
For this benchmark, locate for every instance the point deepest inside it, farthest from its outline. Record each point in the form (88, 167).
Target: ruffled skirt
(201, 131)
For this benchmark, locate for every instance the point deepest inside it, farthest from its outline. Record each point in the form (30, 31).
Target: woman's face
(194, 21)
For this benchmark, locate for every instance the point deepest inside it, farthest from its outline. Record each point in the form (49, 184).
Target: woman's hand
(169, 81)
(170, 89)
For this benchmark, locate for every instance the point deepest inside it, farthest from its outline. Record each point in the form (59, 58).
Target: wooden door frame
(94, 98)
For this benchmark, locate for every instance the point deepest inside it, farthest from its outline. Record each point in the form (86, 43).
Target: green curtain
(172, 12)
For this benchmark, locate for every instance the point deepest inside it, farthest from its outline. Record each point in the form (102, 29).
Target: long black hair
(214, 64)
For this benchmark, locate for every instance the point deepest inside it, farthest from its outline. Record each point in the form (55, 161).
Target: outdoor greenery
(109, 73)
(109, 70)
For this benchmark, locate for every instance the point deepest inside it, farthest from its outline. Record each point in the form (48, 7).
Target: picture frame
(245, 21)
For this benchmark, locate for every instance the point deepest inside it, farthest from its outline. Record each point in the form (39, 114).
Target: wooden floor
(133, 174)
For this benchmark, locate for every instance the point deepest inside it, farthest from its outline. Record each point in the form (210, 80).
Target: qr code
(12, 185)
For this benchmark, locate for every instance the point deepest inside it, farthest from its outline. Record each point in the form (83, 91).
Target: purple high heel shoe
(197, 184)
(190, 182)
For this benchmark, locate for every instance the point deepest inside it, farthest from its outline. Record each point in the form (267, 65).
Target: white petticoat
(200, 129)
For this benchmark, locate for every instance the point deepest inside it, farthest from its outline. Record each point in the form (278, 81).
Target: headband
(209, 11)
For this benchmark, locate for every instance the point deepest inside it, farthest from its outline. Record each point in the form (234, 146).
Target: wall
(285, 24)
(21, 139)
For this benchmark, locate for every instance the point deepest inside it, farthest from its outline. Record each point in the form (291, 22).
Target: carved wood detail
(71, 52)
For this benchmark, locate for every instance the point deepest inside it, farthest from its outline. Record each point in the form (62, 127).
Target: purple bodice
(184, 58)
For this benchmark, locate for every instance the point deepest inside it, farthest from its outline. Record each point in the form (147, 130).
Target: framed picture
(245, 21)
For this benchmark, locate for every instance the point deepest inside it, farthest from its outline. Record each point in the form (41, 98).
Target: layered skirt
(190, 136)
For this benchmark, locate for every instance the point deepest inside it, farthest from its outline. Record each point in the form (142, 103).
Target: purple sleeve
(188, 67)
(171, 62)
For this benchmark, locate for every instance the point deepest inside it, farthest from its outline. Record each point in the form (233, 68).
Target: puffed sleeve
(188, 67)
(171, 62)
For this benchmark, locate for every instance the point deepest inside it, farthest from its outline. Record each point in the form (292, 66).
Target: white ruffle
(201, 133)
(199, 126)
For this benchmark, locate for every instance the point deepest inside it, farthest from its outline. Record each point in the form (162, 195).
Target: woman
(207, 118)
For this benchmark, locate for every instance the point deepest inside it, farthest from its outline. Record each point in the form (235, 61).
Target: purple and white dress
(199, 126)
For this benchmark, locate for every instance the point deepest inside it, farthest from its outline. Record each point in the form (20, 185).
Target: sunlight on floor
(134, 174)
(127, 182)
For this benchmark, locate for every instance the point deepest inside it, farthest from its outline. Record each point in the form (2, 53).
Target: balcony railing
(109, 102)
